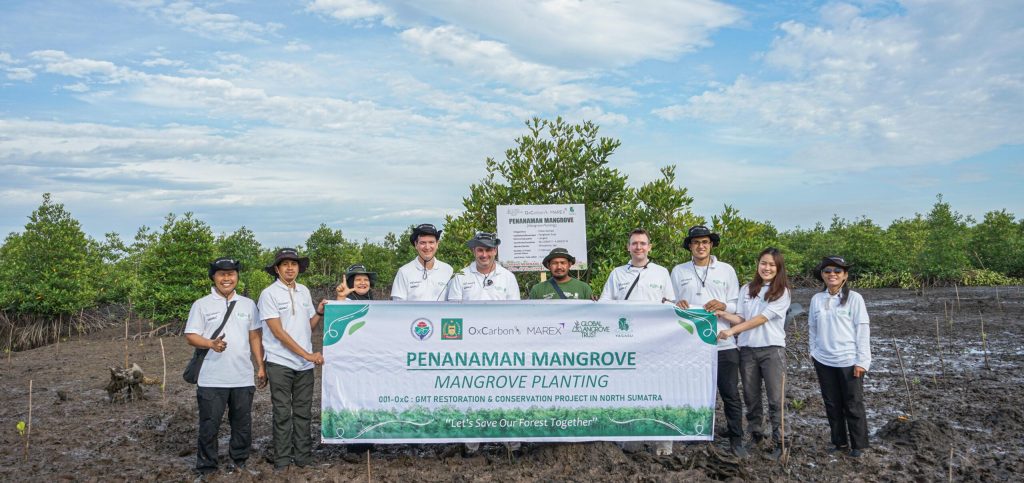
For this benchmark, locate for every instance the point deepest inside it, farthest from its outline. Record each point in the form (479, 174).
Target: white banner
(529, 232)
(422, 372)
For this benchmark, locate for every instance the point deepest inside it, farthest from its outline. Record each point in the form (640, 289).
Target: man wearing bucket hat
(708, 283)
(839, 335)
(226, 375)
(484, 279)
(287, 310)
(357, 283)
(560, 285)
(425, 277)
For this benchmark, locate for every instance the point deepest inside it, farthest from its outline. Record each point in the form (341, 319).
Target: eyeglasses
(832, 270)
(701, 243)
(357, 268)
(225, 264)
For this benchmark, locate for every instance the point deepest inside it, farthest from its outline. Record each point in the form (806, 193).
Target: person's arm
(862, 327)
(453, 291)
(515, 288)
(274, 324)
(256, 347)
(194, 328)
(812, 328)
(732, 291)
(606, 292)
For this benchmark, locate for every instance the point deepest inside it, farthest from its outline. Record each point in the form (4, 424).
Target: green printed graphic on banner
(705, 322)
(451, 423)
(339, 317)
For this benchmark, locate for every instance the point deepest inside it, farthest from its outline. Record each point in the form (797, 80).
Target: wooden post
(163, 382)
(910, 398)
(28, 432)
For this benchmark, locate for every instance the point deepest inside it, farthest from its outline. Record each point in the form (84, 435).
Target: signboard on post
(422, 372)
(529, 232)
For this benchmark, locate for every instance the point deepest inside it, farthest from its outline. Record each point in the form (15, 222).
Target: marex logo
(451, 329)
(590, 328)
(421, 329)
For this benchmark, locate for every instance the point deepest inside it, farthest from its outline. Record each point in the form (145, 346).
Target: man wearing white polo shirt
(425, 277)
(705, 282)
(640, 279)
(226, 376)
(287, 310)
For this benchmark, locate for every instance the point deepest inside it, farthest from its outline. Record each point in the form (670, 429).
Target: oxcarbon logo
(451, 329)
(491, 331)
(422, 329)
(590, 328)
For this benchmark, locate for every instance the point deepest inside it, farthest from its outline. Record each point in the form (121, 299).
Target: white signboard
(529, 232)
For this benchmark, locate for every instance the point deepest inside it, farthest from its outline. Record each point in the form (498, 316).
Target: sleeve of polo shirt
(741, 302)
(455, 288)
(732, 292)
(606, 292)
(668, 291)
(514, 285)
(812, 326)
(776, 309)
(196, 319)
(398, 287)
(311, 311)
(862, 326)
(256, 322)
(267, 307)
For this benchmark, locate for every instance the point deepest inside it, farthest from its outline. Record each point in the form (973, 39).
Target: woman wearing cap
(760, 324)
(357, 284)
(839, 335)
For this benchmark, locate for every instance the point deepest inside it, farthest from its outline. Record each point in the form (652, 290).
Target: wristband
(320, 314)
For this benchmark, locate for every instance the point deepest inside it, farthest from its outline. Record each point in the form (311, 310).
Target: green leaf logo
(340, 317)
(705, 322)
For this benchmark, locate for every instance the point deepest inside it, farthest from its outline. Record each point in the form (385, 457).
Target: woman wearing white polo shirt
(760, 324)
(839, 335)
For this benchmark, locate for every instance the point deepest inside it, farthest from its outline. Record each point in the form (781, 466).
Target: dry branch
(910, 398)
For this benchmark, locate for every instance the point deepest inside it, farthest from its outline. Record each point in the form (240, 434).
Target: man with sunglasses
(226, 376)
(484, 279)
(425, 277)
(708, 283)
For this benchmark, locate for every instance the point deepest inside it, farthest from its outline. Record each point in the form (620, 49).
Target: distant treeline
(53, 269)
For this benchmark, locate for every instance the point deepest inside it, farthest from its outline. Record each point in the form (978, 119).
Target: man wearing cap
(287, 310)
(484, 279)
(705, 282)
(425, 277)
(226, 376)
(560, 285)
(640, 279)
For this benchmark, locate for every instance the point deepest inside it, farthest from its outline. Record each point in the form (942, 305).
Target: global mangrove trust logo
(422, 329)
(590, 328)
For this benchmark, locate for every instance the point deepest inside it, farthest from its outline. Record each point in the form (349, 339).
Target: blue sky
(373, 115)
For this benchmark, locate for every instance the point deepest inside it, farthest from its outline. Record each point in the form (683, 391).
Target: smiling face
(700, 250)
(287, 271)
(639, 247)
(484, 258)
(766, 267)
(361, 284)
(834, 277)
(225, 282)
(426, 247)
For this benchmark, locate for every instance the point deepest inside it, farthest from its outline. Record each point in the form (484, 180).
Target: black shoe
(856, 453)
(756, 437)
(739, 450)
(838, 449)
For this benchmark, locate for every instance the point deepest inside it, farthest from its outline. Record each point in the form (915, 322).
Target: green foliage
(173, 269)
(902, 279)
(243, 246)
(561, 163)
(944, 254)
(49, 269)
(997, 244)
(329, 255)
(983, 277)
(742, 240)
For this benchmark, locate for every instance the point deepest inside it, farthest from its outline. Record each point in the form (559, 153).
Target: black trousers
(291, 395)
(212, 401)
(767, 365)
(844, 405)
(729, 391)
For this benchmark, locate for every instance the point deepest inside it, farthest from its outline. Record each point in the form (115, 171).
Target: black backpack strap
(231, 306)
(558, 289)
(635, 280)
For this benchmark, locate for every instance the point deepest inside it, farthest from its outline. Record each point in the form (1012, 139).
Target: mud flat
(963, 416)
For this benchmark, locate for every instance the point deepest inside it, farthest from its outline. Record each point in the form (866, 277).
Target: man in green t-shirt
(560, 285)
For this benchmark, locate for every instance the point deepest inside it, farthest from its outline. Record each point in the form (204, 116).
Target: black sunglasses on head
(483, 235)
(225, 264)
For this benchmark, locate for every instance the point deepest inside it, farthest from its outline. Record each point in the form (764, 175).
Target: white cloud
(76, 87)
(163, 62)
(484, 58)
(202, 22)
(6, 58)
(58, 62)
(297, 46)
(940, 82)
(351, 10)
(20, 74)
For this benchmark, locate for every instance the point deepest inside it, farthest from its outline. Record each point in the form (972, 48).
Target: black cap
(699, 231)
(287, 254)
(558, 253)
(831, 261)
(424, 229)
(359, 269)
(224, 263)
(483, 239)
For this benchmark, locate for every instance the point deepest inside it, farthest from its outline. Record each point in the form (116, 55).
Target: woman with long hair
(759, 322)
(839, 336)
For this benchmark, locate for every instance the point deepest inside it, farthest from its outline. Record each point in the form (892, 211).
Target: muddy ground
(966, 418)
